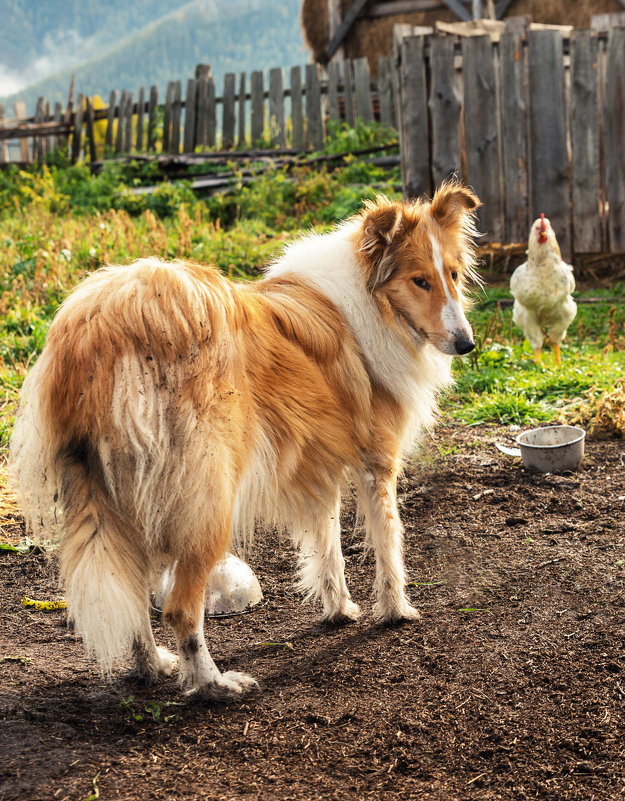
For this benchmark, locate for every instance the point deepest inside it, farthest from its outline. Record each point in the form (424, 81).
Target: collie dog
(172, 409)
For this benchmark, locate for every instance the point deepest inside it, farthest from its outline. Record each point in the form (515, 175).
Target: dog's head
(418, 257)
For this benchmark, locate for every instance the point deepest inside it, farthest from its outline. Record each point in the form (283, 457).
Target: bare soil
(512, 686)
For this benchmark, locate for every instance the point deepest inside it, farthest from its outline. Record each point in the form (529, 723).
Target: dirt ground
(512, 686)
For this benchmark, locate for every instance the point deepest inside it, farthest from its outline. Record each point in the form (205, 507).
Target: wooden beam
(501, 8)
(459, 10)
(357, 8)
(393, 7)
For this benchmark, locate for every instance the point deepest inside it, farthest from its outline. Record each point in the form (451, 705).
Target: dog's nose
(464, 345)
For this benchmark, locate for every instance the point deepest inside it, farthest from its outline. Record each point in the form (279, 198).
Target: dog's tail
(61, 491)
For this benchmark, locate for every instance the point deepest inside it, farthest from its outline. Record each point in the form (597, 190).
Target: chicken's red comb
(543, 226)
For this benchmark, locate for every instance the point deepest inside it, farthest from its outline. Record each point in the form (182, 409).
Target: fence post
(276, 107)
(20, 114)
(445, 106)
(413, 118)
(614, 119)
(140, 113)
(549, 162)
(90, 130)
(242, 100)
(297, 113)
(175, 118)
(189, 117)
(227, 130)
(77, 138)
(362, 84)
(4, 147)
(385, 92)
(258, 107)
(313, 107)
(481, 132)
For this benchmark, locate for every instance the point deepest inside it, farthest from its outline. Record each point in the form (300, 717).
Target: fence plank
(152, 104)
(481, 133)
(348, 92)
(413, 129)
(77, 137)
(242, 103)
(385, 92)
(333, 91)
(445, 106)
(614, 118)
(549, 164)
(276, 107)
(110, 123)
(585, 143)
(176, 118)
(140, 116)
(188, 138)
(211, 117)
(362, 85)
(297, 111)
(60, 140)
(258, 106)
(227, 130)
(4, 145)
(514, 132)
(38, 140)
(128, 123)
(90, 129)
(167, 115)
(20, 114)
(313, 107)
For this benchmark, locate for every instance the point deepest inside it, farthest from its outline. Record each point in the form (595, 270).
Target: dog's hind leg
(321, 568)
(184, 612)
(150, 660)
(385, 533)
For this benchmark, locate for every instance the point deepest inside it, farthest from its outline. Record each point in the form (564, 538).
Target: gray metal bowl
(552, 449)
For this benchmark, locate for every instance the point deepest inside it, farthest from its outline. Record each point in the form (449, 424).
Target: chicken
(542, 289)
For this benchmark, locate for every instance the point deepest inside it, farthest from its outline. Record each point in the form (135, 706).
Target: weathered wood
(4, 145)
(483, 171)
(119, 133)
(585, 143)
(348, 92)
(413, 127)
(362, 85)
(297, 111)
(549, 164)
(514, 132)
(90, 130)
(614, 120)
(227, 130)
(313, 107)
(201, 131)
(333, 91)
(167, 116)
(277, 126)
(459, 10)
(188, 138)
(128, 115)
(258, 106)
(140, 116)
(241, 105)
(152, 106)
(355, 10)
(385, 92)
(38, 140)
(110, 123)
(176, 117)
(211, 115)
(445, 106)
(20, 114)
(59, 140)
(77, 137)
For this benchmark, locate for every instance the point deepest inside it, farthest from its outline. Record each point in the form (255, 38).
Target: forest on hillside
(147, 42)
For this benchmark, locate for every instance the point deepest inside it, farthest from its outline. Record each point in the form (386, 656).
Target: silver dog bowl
(552, 449)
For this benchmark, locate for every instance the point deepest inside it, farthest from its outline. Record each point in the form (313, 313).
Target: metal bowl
(552, 449)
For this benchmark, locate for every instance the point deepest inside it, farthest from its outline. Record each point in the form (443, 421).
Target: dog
(171, 409)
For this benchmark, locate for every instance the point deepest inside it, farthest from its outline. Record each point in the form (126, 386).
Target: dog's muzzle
(463, 345)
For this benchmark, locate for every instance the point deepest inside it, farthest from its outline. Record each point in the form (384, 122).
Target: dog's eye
(454, 275)
(421, 283)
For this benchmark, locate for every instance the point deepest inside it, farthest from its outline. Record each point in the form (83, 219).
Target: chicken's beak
(542, 231)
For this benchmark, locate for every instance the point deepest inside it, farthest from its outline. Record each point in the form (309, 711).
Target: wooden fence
(254, 109)
(535, 123)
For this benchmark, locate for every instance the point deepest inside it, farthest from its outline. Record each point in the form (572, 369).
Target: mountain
(121, 45)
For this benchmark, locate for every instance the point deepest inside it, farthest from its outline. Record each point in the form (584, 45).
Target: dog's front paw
(230, 686)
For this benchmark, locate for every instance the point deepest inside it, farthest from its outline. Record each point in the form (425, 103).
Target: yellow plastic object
(43, 606)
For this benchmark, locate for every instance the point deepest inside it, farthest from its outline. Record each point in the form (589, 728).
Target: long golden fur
(171, 409)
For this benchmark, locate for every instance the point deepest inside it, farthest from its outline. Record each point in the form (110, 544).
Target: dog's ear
(385, 224)
(452, 202)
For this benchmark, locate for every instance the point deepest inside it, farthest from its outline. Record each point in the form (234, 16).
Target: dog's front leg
(184, 612)
(378, 497)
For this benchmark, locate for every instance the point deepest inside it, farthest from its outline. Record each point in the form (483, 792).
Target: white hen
(542, 289)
